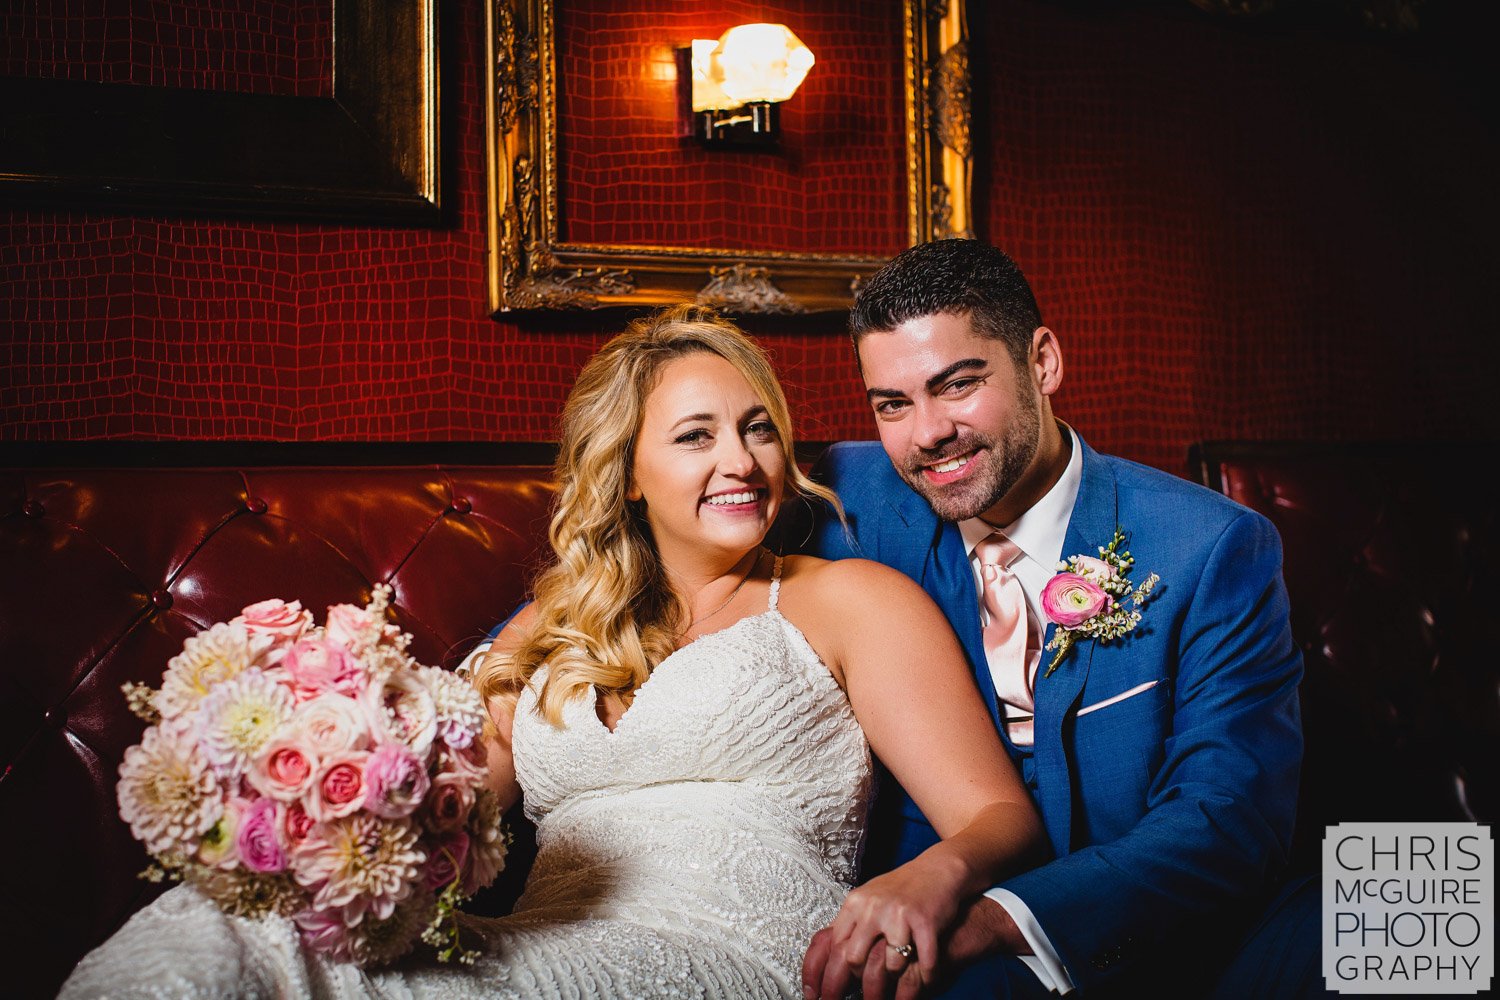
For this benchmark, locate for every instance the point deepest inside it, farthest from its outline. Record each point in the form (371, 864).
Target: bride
(688, 718)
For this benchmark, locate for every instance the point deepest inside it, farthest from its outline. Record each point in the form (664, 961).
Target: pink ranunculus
(317, 667)
(339, 788)
(295, 823)
(323, 930)
(1095, 570)
(446, 859)
(284, 769)
(259, 840)
(396, 781)
(449, 802)
(1070, 600)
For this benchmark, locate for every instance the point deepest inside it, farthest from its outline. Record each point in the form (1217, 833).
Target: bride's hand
(912, 905)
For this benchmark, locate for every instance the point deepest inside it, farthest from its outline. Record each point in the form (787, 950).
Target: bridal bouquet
(318, 772)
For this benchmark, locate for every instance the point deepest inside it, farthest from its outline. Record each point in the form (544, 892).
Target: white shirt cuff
(472, 660)
(1044, 964)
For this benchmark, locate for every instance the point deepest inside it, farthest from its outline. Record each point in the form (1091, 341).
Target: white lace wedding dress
(691, 852)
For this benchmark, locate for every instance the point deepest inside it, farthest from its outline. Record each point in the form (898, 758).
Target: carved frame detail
(531, 268)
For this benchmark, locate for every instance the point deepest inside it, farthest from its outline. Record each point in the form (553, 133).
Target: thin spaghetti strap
(775, 585)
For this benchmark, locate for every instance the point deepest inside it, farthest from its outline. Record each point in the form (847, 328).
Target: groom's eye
(890, 407)
(962, 385)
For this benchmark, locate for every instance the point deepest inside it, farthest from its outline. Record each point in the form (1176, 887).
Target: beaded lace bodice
(692, 851)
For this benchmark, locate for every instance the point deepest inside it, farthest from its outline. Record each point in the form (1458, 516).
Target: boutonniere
(1088, 597)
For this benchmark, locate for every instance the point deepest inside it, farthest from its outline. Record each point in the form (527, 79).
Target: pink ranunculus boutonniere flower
(1092, 598)
(1070, 600)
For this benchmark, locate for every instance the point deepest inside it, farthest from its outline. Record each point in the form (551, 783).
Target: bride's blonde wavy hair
(605, 614)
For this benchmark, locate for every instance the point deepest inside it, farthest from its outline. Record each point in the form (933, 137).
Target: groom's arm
(1220, 811)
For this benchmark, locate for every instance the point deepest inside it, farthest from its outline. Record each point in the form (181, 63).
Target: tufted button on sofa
(113, 554)
(1389, 551)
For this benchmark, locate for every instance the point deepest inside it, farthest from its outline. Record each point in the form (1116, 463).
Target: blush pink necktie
(1012, 640)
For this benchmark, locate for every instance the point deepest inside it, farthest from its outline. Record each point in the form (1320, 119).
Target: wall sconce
(738, 81)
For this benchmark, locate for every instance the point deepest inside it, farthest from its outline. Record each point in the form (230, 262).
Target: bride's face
(708, 461)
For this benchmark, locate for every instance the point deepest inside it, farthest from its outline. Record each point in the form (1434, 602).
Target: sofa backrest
(113, 554)
(1386, 552)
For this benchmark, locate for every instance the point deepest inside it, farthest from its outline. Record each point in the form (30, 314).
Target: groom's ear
(1046, 361)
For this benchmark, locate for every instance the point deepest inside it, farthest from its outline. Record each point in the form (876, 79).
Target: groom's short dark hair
(950, 276)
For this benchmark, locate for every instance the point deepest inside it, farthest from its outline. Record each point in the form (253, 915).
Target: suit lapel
(1093, 521)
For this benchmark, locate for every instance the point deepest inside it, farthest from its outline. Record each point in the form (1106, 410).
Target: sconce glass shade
(708, 77)
(759, 62)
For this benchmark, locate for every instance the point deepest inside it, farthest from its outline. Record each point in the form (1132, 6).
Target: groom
(1164, 760)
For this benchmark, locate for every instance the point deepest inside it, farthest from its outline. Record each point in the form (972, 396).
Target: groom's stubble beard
(1009, 456)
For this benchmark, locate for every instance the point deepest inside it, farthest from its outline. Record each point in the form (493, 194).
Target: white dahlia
(361, 864)
(460, 712)
(167, 791)
(207, 659)
(240, 717)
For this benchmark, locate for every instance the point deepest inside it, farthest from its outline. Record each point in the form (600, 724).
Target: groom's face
(958, 418)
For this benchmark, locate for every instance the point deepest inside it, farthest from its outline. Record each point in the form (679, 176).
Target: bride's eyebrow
(692, 418)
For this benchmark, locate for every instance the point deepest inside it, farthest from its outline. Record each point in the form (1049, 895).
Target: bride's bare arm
(910, 687)
(502, 709)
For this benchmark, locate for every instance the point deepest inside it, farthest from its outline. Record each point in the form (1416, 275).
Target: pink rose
(449, 802)
(471, 762)
(318, 666)
(1096, 570)
(277, 619)
(1070, 600)
(332, 723)
(283, 770)
(259, 845)
(295, 824)
(340, 787)
(352, 626)
(396, 781)
(446, 860)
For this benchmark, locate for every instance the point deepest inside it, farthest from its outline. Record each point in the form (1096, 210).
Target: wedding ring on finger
(907, 951)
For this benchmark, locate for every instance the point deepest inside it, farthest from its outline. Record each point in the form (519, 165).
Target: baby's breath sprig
(442, 932)
(141, 700)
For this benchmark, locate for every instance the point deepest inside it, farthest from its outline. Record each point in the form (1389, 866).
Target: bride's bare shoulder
(838, 581)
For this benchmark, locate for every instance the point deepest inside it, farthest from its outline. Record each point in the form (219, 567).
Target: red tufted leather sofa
(113, 553)
(1389, 551)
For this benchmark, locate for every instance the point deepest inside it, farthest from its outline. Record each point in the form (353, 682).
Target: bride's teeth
(952, 464)
(725, 499)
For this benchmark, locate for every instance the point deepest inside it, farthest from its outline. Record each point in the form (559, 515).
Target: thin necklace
(732, 594)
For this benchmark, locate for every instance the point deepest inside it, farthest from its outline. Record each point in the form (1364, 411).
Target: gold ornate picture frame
(531, 267)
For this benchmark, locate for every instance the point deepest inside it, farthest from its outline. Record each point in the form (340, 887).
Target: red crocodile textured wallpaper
(1279, 231)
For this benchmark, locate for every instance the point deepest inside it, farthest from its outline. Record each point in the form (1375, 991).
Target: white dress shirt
(1039, 533)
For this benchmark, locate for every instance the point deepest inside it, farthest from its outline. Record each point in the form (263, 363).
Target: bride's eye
(698, 436)
(761, 430)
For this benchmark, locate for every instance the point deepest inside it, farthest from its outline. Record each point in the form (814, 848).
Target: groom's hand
(983, 928)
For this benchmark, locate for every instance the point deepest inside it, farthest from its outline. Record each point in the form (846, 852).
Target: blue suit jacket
(1167, 806)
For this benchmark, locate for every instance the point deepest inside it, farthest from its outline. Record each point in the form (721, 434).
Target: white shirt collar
(1039, 532)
